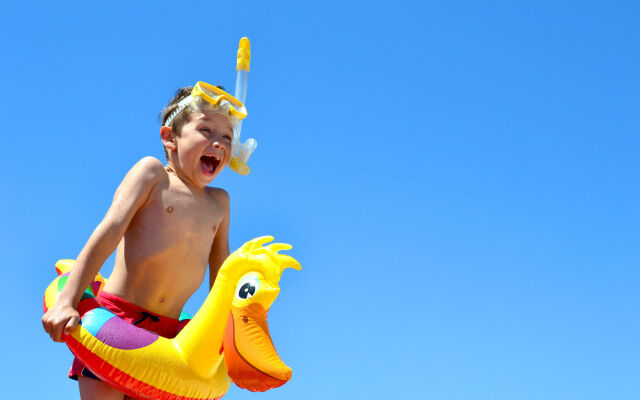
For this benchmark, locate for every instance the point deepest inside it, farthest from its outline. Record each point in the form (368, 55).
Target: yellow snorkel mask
(205, 96)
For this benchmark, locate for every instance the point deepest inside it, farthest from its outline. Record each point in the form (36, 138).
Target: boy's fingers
(56, 335)
(48, 327)
(73, 321)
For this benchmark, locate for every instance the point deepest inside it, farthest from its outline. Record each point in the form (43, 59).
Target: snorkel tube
(240, 152)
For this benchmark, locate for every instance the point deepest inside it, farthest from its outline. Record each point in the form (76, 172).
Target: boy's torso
(163, 256)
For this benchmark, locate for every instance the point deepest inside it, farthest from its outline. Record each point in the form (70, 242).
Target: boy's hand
(60, 319)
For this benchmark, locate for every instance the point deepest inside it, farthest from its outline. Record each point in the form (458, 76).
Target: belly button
(161, 299)
(169, 209)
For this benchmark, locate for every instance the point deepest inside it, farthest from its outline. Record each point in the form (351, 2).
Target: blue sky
(459, 181)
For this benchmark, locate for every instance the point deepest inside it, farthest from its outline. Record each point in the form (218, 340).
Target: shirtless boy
(166, 224)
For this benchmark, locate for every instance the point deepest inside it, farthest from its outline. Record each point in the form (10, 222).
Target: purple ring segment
(122, 335)
(115, 332)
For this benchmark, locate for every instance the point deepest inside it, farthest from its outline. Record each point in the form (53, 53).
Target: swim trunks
(138, 316)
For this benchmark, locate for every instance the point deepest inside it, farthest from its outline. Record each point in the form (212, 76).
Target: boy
(166, 224)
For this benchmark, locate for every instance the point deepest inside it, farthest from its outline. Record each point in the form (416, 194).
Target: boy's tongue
(207, 165)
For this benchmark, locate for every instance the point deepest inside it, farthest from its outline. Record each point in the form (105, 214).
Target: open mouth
(209, 164)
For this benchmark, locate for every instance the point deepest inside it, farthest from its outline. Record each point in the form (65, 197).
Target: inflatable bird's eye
(247, 287)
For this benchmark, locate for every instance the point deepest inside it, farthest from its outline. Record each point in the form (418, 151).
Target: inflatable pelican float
(227, 340)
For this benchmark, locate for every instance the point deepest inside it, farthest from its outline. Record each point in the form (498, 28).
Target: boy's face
(203, 148)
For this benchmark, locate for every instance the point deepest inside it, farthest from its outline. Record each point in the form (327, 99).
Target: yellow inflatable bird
(191, 365)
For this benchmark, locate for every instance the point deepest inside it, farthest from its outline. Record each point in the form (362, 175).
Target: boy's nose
(218, 145)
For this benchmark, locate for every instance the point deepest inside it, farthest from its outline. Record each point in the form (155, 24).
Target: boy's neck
(177, 172)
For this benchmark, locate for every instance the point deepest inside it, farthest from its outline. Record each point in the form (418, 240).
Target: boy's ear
(168, 138)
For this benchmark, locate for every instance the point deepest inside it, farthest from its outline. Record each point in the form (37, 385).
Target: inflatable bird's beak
(251, 358)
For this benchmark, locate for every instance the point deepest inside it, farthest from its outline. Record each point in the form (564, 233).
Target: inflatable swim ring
(227, 340)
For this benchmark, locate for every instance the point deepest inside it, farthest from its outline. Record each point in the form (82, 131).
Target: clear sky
(459, 180)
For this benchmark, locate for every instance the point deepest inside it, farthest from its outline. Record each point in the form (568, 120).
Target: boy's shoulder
(143, 175)
(149, 169)
(150, 164)
(219, 195)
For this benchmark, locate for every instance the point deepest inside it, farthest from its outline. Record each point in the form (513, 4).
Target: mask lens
(220, 99)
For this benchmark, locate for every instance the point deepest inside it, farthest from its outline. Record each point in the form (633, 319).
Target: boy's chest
(188, 214)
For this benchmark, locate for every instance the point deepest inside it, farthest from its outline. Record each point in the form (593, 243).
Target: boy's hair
(183, 117)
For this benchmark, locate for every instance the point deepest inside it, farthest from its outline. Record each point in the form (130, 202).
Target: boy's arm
(220, 245)
(128, 199)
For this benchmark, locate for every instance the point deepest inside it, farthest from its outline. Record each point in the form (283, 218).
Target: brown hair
(183, 117)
